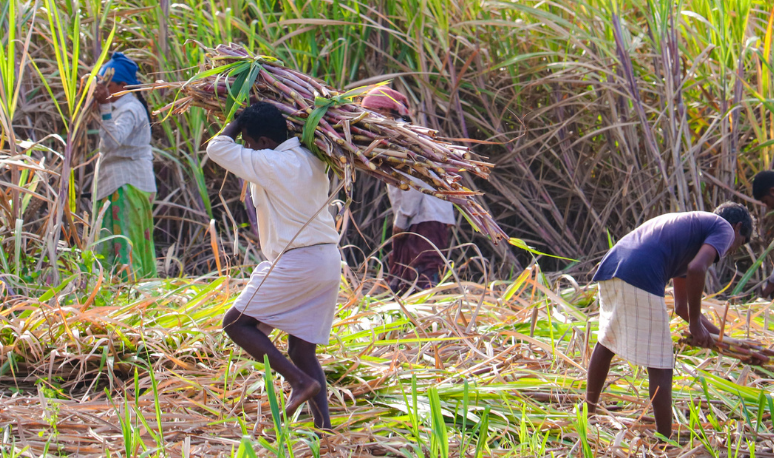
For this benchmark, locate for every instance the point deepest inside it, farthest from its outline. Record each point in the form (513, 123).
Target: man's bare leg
(660, 389)
(243, 330)
(599, 366)
(304, 355)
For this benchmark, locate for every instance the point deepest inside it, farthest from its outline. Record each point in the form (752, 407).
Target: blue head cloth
(124, 68)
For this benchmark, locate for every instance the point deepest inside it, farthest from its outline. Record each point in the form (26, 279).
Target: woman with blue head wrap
(125, 175)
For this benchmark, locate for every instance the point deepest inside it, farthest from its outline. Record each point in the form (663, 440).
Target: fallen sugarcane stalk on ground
(150, 366)
(746, 351)
(340, 132)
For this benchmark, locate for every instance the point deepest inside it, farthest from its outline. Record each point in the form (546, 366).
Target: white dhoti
(298, 296)
(634, 324)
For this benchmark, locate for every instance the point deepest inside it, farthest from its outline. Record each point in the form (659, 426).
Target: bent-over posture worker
(633, 319)
(418, 216)
(289, 188)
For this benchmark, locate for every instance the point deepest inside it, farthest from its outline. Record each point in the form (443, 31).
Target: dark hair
(145, 105)
(737, 213)
(263, 119)
(762, 183)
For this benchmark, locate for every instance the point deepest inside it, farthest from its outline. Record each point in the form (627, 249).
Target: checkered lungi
(634, 324)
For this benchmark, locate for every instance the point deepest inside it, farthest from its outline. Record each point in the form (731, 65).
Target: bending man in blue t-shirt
(633, 319)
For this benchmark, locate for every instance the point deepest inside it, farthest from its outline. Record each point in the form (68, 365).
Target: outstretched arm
(681, 305)
(694, 282)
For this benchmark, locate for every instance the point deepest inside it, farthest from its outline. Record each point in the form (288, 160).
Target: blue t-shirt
(661, 249)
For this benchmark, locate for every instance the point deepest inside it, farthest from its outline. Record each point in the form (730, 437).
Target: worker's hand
(101, 94)
(232, 129)
(396, 230)
(701, 337)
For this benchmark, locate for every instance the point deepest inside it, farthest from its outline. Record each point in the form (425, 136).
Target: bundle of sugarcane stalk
(746, 351)
(338, 130)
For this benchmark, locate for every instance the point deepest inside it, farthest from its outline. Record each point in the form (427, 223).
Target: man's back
(661, 248)
(289, 189)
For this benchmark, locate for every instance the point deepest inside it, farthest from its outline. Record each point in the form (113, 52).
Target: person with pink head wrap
(387, 102)
(422, 222)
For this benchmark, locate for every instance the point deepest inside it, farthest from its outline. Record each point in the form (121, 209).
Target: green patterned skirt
(131, 216)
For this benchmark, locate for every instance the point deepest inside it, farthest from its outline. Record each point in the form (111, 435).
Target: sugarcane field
(407, 228)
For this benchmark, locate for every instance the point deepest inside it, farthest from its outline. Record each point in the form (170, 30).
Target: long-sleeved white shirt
(124, 141)
(413, 207)
(288, 186)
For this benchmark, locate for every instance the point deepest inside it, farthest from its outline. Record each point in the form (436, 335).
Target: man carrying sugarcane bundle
(422, 222)
(296, 290)
(633, 319)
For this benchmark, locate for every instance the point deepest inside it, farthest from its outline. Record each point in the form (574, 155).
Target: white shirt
(124, 141)
(288, 186)
(413, 207)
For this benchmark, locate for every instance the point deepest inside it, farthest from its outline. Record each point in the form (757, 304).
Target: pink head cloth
(384, 98)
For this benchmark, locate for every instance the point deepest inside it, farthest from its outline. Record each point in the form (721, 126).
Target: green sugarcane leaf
(213, 72)
(246, 449)
(440, 435)
(519, 243)
(483, 433)
(746, 413)
(75, 39)
(239, 74)
(71, 197)
(55, 289)
(516, 285)
(244, 91)
(95, 70)
(467, 218)
(273, 404)
(307, 136)
(761, 409)
(321, 107)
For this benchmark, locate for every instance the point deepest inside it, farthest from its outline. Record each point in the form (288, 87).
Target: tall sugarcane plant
(12, 68)
(78, 95)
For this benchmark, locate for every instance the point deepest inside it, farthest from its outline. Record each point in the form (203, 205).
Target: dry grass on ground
(402, 372)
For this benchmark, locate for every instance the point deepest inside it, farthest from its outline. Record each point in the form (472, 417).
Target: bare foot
(300, 395)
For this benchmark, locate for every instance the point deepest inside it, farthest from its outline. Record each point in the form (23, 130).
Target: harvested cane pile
(748, 352)
(341, 132)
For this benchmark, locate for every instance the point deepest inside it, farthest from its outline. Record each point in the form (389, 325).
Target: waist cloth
(298, 296)
(414, 258)
(634, 324)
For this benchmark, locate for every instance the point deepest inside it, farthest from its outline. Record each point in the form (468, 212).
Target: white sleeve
(114, 130)
(405, 205)
(242, 162)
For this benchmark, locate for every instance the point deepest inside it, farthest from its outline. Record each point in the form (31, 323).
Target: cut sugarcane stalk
(347, 136)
